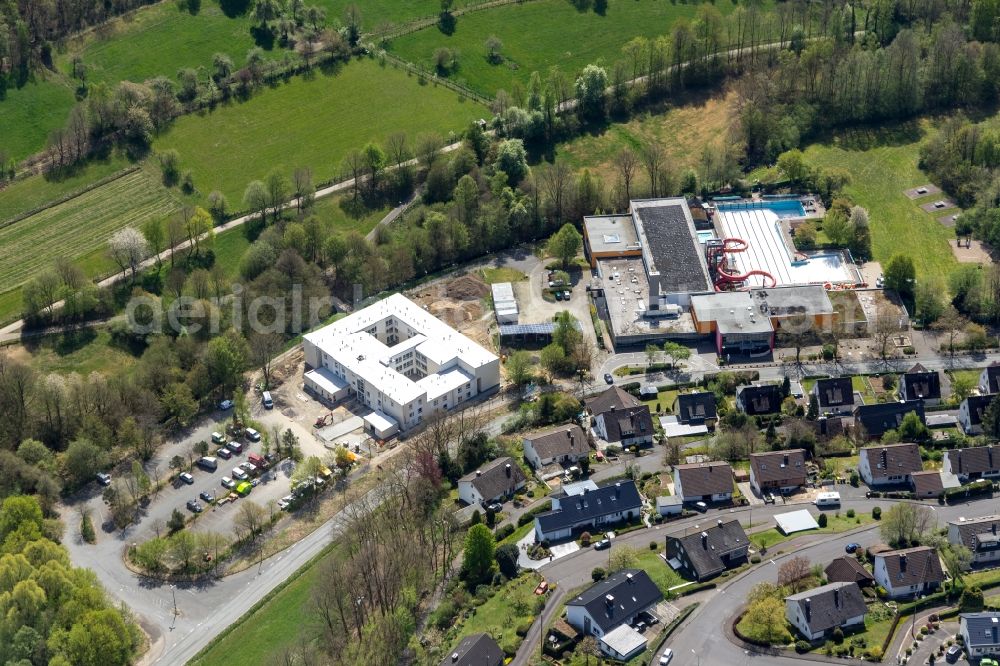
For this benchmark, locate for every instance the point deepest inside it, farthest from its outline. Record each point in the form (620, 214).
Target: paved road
(701, 635)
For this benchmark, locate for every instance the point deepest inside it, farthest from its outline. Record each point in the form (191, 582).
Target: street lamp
(173, 592)
(697, 656)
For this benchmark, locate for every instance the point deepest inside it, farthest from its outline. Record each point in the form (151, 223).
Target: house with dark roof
(906, 573)
(475, 650)
(927, 484)
(847, 569)
(704, 482)
(706, 554)
(492, 482)
(989, 379)
(612, 602)
(980, 633)
(611, 398)
(980, 535)
(758, 400)
(564, 444)
(781, 471)
(919, 383)
(817, 612)
(696, 408)
(973, 463)
(889, 464)
(876, 419)
(834, 395)
(630, 426)
(589, 510)
(970, 412)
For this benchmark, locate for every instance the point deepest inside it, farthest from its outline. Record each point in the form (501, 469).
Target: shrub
(653, 545)
(822, 520)
(755, 559)
(504, 531)
(523, 629)
(850, 513)
(855, 479)
(597, 574)
(877, 513)
(444, 615)
(802, 647)
(838, 635)
(585, 539)
(87, 529)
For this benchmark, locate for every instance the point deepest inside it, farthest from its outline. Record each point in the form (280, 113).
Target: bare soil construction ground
(458, 301)
(973, 252)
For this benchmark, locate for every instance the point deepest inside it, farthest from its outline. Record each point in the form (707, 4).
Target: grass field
(835, 524)
(882, 165)
(377, 12)
(159, 40)
(310, 121)
(82, 352)
(80, 227)
(330, 211)
(538, 35)
(29, 114)
(659, 571)
(36, 191)
(683, 130)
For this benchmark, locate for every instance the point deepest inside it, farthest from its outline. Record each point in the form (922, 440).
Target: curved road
(702, 634)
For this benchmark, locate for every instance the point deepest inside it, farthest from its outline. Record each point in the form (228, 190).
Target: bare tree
(794, 573)
(354, 166)
(883, 329)
(249, 520)
(950, 324)
(263, 348)
(396, 148)
(626, 162)
(652, 159)
(305, 191)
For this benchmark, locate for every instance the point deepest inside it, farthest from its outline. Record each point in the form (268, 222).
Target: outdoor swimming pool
(782, 208)
(704, 236)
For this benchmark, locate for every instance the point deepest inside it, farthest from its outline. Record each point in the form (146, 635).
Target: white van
(252, 435)
(827, 499)
(266, 399)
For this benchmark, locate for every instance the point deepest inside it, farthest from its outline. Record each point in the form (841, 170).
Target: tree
(904, 524)
(176, 521)
(972, 600)
(83, 459)
(764, 621)
(226, 360)
(589, 647)
(885, 327)
(128, 247)
(623, 557)
(263, 348)
(255, 198)
(901, 275)
(352, 21)
(626, 162)
(591, 87)
(676, 352)
(478, 556)
(494, 48)
(950, 324)
(795, 572)
(249, 520)
(506, 557)
(957, 560)
(837, 228)
(861, 237)
(519, 368)
(302, 186)
(512, 159)
(565, 244)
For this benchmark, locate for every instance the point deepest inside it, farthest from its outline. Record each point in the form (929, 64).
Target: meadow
(80, 226)
(376, 12)
(36, 191)
(882, 164)
(310, 121)
(538, 35)
(29, 114)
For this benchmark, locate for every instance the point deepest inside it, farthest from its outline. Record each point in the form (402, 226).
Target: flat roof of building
(610, 233)
(732, 312)
(627, 300)
(785, 301)
(675, 260)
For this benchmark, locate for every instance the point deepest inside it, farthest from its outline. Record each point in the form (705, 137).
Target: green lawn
(376, 12)
(835, 524)
(159, 40)
(10, 306)
(229, 248)
(659, 571)
(498, 616)
(492, 275)
(81, 352)
(277, 624)
(883, 164)
(29, 114)
(80, 227)
(36, 191)
(341, 220)
(538, 35)
(310, 121)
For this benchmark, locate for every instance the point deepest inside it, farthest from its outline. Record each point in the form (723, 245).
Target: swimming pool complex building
(677, 268)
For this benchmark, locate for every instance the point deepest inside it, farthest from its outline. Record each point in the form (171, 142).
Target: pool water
(783, 209)
(705, 236)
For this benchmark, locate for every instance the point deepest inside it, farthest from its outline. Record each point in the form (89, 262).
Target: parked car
(104, 478)
(207, 496)
(235, 447)
(602, 544)
(953, 654)
(218, 438)
(566, 295)
(224, 453)
(665, 658)
(701, 506)
(495, 507)
(226, 405)
(852, 547)
(239, 474)
(649, 618)
(249, 468)
(608, 379)
(252, 435)
(559, 295)
(228, 483)
(285, 501)
(193, 505)
(266, 400)
(186, 478)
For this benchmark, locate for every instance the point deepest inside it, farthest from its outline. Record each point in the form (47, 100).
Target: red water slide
(724, 280)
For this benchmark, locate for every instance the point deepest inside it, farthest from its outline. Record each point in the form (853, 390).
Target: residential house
(475, 650)
(562, 444)
(588, 510)
(817, 612)
(492, 482)
(628, 426)
(876, 419)
(847, 569)
(970, 412)
(781, 471)
(611, 603)
(696, 408)
(889, 464)
(927, 484)
(704, 482)
(989, 379)
(706, 554)
(981, 634)
(607, 399)
(669, 505)
(759, 400)
(909, 572)
(834, 395)
(979, 535)
(919, 383)
(973, 463)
